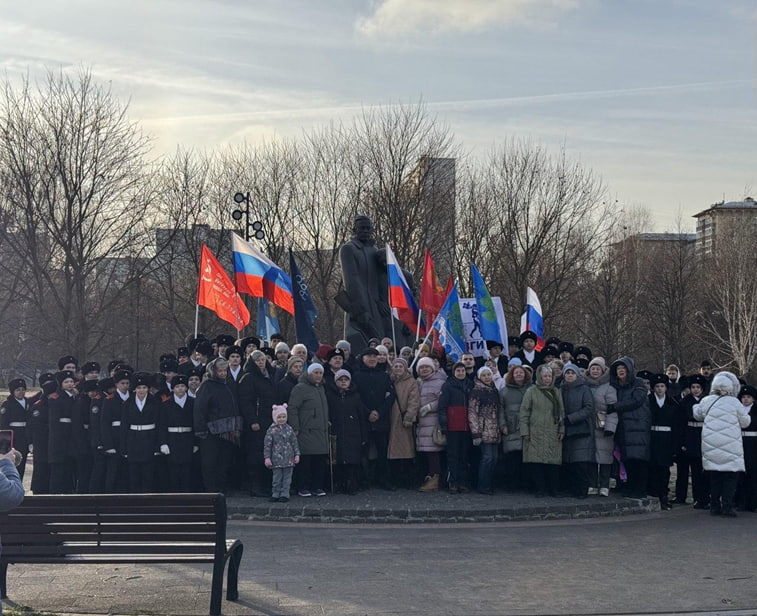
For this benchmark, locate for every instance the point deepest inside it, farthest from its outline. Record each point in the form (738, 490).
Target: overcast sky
(658, 96)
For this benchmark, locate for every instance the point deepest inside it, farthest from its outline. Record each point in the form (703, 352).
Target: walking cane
(332, 439)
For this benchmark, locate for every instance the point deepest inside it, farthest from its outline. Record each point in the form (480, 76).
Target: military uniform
(110, 436)
(692, 452)
(95, 445)
(40, 433)
(175, 430)
(139, 441)
(15, 415)
(60, 447)
(662, 442)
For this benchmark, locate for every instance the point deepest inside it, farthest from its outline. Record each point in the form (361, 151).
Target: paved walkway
(679, 561)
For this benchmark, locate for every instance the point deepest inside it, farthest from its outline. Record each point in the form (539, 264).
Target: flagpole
(197, 317)
(418, 329)
(425, 340)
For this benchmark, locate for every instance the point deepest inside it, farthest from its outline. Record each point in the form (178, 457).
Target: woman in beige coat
(401, 451)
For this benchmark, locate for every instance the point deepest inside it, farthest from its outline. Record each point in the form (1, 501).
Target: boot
(430, 484)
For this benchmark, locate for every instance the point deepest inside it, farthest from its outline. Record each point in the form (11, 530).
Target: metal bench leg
(3, 580)
(216, 590)
(235, 558)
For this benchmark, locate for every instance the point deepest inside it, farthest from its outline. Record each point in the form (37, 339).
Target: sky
(659, 97)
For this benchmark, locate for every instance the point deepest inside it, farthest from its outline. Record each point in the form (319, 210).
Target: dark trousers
(722, 490)
(486, 464)
(748, 488)
(514, 480)
(659, 478)
(41, 472)
(62, 476)
(83, 472)
(115, 475)
(700, 481)
(347, 477)
(216, 456)
(142, 477)
(22, 466)
(179, 476)
(600, 475)
(311, 472)
(579, 474)
(97, 476)
(401, 473)
(545, 478)
(260, 480)
(638, 474)
(458, 451)
(379, 468)
(682, 478)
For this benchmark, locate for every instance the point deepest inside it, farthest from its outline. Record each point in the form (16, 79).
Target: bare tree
(728, 314)
(75, 197)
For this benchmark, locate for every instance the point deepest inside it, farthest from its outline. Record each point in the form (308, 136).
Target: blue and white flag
(486, 313)
(268, 322)
(449, 324)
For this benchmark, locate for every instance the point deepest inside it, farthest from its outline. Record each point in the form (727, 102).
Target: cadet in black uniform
(664, 413)
(177, 436)
(139, 434)
(80, 433)
(748, 481)
(15, 413)
(98, 456)
(60, 449)
(110, 432)
(692, 442)
(40, 434)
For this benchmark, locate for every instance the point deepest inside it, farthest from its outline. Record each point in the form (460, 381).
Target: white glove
(195, 449)
(110, 451)
(165, 450)
(425, 409)
(31, 448)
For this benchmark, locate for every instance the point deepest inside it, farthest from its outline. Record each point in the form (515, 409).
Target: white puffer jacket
(723, 417)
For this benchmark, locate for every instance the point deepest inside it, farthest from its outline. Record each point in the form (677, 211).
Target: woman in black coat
(285, 386)
(634, 422)
(217, 423)
(257, 395)
(349, 427)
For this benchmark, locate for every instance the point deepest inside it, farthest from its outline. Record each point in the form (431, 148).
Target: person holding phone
(11, 487)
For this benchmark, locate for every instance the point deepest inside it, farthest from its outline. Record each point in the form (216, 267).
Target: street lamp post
(244, 212)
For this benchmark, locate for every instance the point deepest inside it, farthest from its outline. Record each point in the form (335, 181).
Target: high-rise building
(710, 222)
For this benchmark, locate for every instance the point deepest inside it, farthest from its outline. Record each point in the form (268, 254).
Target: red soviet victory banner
(432, 293)
(216, 292)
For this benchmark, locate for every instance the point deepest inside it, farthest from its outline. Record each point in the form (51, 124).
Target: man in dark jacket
(377, 393)
(60, 451)
(634, 421)
(110, 433)
(662, 439)
(218, 425)
(691, 448)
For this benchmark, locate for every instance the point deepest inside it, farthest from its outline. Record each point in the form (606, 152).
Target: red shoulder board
(53, 396)
(165, 397)
(110, 396)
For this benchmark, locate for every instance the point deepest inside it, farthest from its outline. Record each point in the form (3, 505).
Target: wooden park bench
(123, 528)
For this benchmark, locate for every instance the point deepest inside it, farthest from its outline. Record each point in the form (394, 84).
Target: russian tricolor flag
(400, 297)
(532, 319)
(258, 276)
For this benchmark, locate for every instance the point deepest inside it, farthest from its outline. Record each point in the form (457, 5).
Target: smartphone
(6, 441)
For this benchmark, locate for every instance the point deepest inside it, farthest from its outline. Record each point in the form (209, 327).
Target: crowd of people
(227, 414)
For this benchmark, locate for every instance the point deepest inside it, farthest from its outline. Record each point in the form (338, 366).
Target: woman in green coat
(309, 417)
(542, 430)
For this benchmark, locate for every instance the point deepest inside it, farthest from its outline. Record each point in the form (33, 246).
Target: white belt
(695, 424)
(139, 428)
(86, 426)
(115, 424)
(17, 424)
(742, 434)
(661, 428)
(65, 420)
(179, 429)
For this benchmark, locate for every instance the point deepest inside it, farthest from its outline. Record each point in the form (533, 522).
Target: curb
(311, 512)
